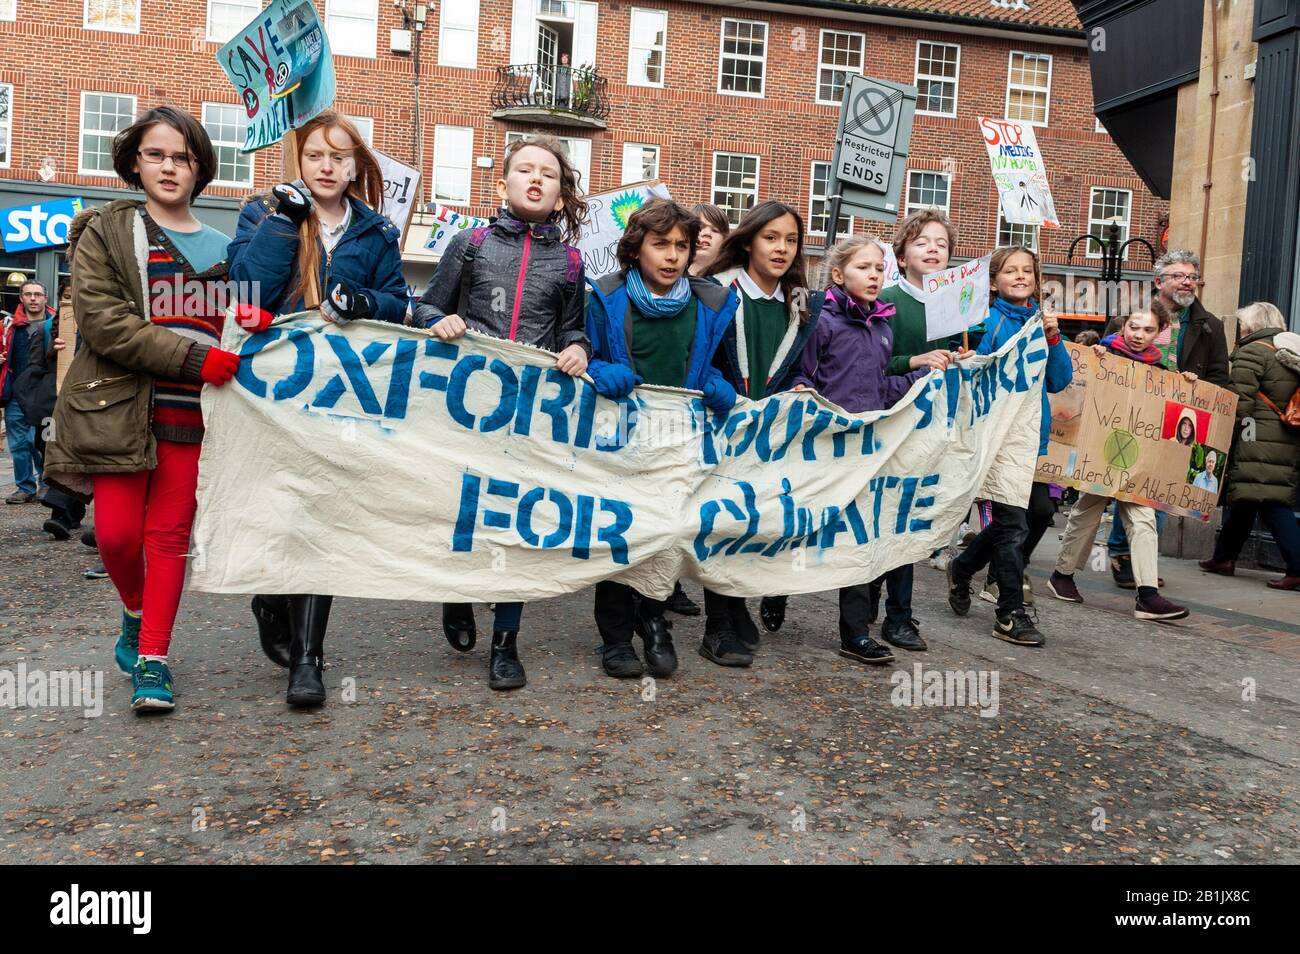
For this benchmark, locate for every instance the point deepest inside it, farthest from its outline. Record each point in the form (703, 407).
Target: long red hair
(367, 186)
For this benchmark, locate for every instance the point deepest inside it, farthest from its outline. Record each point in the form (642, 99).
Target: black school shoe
(903, 635)
(60, 525)
(724, 647)
(1018, 629)
(660, 654)
(505, 671)
(771, 611)
(620, 660)
(681, 604)
(864, 649)
(958, 591)
(458, 625)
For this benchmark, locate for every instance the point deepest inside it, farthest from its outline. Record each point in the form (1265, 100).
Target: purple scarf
(1116, 344)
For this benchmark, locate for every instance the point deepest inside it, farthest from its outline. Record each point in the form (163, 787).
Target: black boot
(308, 618)
(660, 655)
(458, 625)
(272, 615)
(505, 671)
(681, 604)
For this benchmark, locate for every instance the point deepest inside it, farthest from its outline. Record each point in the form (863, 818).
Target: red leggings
(142, 526)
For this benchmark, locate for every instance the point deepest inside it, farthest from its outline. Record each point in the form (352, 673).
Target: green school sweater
(766, 322)
(908, 325)
(661, 347)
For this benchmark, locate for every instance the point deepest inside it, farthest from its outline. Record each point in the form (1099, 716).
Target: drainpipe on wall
(1209, 149)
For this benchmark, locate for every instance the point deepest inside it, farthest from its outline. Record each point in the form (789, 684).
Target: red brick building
(728, 103)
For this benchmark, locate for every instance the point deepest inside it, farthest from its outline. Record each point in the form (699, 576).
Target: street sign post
(871, 147)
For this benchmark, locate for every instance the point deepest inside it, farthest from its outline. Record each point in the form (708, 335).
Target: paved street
(1121, 741)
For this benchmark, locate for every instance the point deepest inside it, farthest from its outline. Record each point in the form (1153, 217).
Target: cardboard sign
(282, 69)
(401, 189)
(607, 215)
(1019, 172)
(67, 331)
(957, 298)
(450, 222)
(1137, 433)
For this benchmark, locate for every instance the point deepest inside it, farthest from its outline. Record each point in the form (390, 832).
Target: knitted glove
(251, 318)
(344, 304)
(219, 366)
(613, 380)
(292, 200)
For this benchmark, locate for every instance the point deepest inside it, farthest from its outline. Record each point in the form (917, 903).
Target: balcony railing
(566, 95)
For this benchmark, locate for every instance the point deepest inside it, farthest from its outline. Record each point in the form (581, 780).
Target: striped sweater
(192, 304)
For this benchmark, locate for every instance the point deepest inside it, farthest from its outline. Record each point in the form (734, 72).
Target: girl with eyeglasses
(128, 424)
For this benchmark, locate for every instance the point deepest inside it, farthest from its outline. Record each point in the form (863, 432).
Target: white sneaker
(990, 592)
(940, 560)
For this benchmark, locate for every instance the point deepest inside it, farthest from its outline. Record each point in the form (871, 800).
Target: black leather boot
(505, 671)
(660, 655)
(272, 615)
(458, 625)
(308, 616)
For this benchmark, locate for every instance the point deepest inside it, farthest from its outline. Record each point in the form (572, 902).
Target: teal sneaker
(128, 644)
(151, 681)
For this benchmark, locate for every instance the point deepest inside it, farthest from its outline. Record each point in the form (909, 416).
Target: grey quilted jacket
(511, 280)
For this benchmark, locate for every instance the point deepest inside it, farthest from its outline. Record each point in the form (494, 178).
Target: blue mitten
(612, 380)
(719, 396)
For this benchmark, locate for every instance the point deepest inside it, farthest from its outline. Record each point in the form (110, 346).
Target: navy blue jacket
(607, 327)
(367, 257)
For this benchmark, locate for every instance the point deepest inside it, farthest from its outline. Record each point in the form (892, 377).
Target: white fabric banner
(373, 460)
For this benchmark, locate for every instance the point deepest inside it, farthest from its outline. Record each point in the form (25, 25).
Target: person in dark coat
(327, 224)
(1264, 464)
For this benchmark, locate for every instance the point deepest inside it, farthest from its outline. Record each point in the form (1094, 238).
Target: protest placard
(1019, 172)
(1141, 434)
(401, 190)
(282, 69)
(957, 298)
(448, 223)
(607, 215)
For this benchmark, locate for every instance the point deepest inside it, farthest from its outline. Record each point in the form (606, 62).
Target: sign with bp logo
(42, 225)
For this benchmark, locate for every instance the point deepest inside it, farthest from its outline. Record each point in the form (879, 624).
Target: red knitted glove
(219, 366)
(252, 318)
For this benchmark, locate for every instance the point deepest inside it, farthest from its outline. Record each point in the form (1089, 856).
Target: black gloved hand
(292, 200)
(344, 304)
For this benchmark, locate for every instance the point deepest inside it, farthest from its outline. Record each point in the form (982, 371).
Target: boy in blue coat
(1010, 537)
(651, 323)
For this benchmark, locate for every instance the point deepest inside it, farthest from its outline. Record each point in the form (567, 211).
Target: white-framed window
(115, 16)
(647, 47)
(735, 184)
(366, 126)
(227, 126)
(926, 189)
(458, 33)
(640, 162)
(103, 116)
(1099, 127)
(819, 203)
(1104, 206)
(352, 26)
(579, 151)
(6, 123)
(937, 68)
(453, 164)
(8, 9)
(742, 62)
(841, 54)
(1029, 86)
(1012, 234)
(228, 17)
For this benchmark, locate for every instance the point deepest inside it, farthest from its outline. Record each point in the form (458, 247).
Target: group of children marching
(694, 304)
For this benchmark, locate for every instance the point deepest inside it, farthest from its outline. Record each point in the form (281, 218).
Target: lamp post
(415, 19)
(1112, 256)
